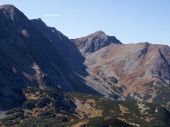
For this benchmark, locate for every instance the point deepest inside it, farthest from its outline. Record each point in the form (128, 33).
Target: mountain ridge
(94, 42)
(28, 58)
(66, 48)
(43, 75)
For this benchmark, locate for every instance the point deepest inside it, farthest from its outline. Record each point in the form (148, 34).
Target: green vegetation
(51, 108)
(42, 107)
(29, 104)
(153, 116)
(106, 122)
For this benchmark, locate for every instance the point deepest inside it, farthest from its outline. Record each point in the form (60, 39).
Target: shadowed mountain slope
(67, 48)
(28, 58)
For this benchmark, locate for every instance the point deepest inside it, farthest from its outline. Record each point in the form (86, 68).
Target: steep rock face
(65, 46)
(28, 58)
(94, 42)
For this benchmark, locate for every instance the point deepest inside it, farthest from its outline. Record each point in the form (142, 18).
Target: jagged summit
(95, 41)
(8, 10)
(7, 7)
(11, 12)
(98, 33)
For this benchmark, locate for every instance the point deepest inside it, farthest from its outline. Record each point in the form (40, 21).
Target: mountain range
(40, 68)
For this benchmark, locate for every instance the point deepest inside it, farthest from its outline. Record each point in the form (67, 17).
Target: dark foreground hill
(29, 57)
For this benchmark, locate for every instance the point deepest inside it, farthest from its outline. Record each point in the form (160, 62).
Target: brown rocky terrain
(137, 71)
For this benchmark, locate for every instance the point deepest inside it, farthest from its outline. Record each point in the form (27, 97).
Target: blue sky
(130, 21)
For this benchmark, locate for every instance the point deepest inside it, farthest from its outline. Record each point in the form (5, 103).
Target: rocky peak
(94, 42)
(98, 34)
(11, 17)
(7, 7)
(11, 12)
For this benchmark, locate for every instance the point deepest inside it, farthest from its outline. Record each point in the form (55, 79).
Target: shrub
(44, 115)
(29, 104)
(42, 102)
(113, 79)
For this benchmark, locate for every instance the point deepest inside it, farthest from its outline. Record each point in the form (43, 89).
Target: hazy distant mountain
(94, 42)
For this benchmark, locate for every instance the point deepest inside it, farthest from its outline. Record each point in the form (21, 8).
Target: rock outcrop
(94, 42)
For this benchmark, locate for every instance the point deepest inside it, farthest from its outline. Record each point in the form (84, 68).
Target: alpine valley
(49, 80)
